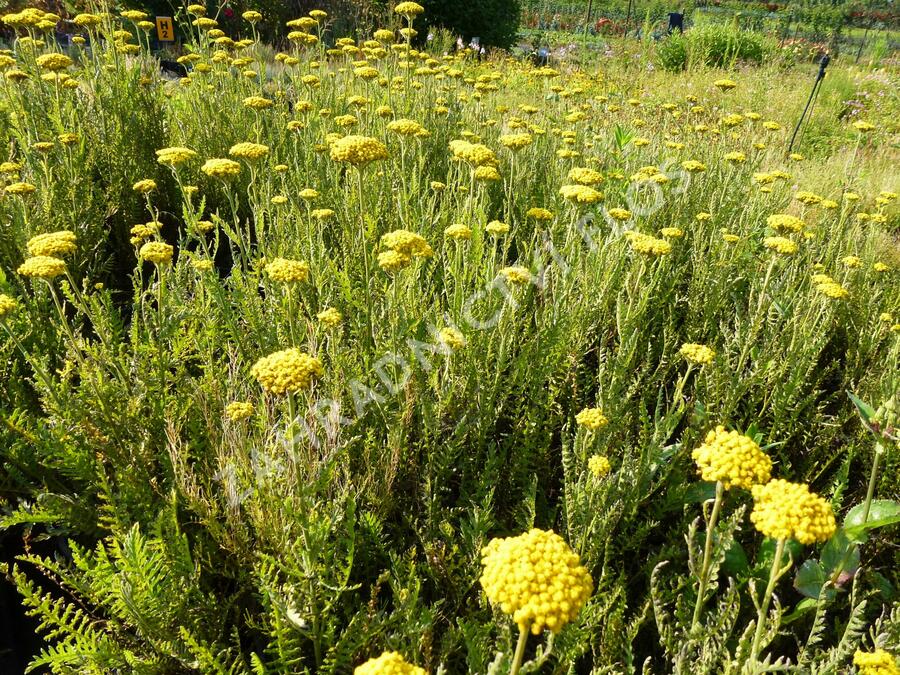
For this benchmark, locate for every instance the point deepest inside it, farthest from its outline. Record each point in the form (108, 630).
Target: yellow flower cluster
(516, 274)
(694, 353)
(581, 194)
(42, 267)
(599, 466)
(808, 198)
(286, 270)
(20, 188)
(785, 510)
(287, 371)
(672, 232)
(585, 176)
(156, 252)
(53, 61)
(224, 169)
(144, 186)
(725, 84)
(487, 173)
(409, 9)
(539, 214)
(249, 151)
(496, 228)
(535, 578)
(330, 317)
(459, 232)
(693, 166)
(7, 305)
(358, 150)
(878, 662)
(833, 290)
(452, 338)
(783, 222)
(238, 411)
(475, 154)
(407, 127)
(592, 419)
(389, 663)
(780, 245)
(516, 141)
(619, 214)
(732, 458)
(407, 244)
(175, 155)
(52, 244)
(647, 245)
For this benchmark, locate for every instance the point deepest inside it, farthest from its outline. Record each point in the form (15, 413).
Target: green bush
(714, 45)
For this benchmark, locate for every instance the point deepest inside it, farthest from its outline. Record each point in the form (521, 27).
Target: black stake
(823, 64)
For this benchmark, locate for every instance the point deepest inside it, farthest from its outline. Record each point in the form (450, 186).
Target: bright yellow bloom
(516, 274)
(487, 174)
(156, 252)
(619, 214)
(780, 245)
(258, 102)
(53, 61)
(693, 166)
(144, 186)
(599, 466)
(539, 214)
(321, 214)
(286, 270)
(392, 261)
(699, 354)
(389, 663)
(784, 510)
(452, 338)
(330, 317)
(251, 16)
(406, 127)
(585, 176)
(250, 151)
(55, 244)
(808, 198)
(175, 155)
(672, 232)
(473, 153)
(516, 141)
(20, 188)
(878, 662)
(42, 267)
(647, 245)
(458, 231)
(358, 150)
(732, 458)
(833, 290)
(863, 126)
(407, 243)
(536, 578)
(496, 228)
(725, 84)
(581, 194)
(237, 411)
(287, 371)
(783, 222)
(591, 419)
(8, 305)
(225, 169)
(409, 9)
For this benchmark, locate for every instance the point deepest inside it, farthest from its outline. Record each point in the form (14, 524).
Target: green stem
(873, 476)
(774, 573)
(520, 649)
(362, 236)
(707, 550)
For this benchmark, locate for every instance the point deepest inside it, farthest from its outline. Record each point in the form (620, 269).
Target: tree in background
(496, 22)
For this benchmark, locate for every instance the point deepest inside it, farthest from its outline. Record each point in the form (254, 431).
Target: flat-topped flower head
(878, 662)
(585, 176)
(516, 141)
(496, 228)
(581, 194)
(516, 274)
(238, 411)
(287, 371)
(330, 317)
(287, 271)
(55, 244)
(783, 222)
(698, 354)
(358, 150)
(409, 9)
(407, 243)
(475, 154)
(599, 466)
(175, 155)
(785, 510)
(780, 245)
(145, 186)
(251, 152)
(725, 84)
(156, 252)
(223, 169)
(733, 459)
(53, 62)
(459, 232)
(538, 213)
(8, 305)
(591, 419)
(42, 267)
(536, 579)
(452, 338)
(406, 127)
(833, 290)
(389, 663)
(647, 245)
